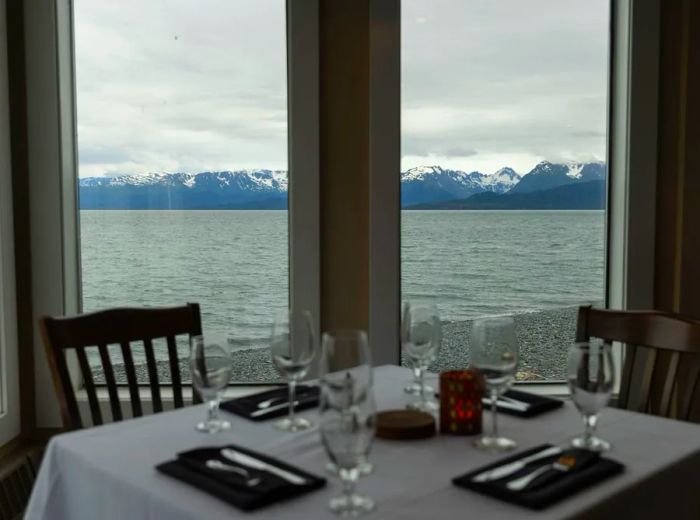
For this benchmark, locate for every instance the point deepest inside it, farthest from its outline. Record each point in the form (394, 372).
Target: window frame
(9, 362)
(631, 158)
(52, 128)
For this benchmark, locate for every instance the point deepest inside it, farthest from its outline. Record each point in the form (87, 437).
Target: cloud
(191, 86)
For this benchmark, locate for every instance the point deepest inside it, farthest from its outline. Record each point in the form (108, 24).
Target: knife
(509, 469)
(264, 411)
(511, 405)
(252, 462)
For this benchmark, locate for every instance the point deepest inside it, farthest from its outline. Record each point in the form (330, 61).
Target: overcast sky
(194, 85)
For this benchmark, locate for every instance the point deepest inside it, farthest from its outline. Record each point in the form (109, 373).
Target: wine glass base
(351, 505)
(428, 406)
(414, 389)
(494, 444)
(591, 443)
(213, 426)
(293, 425)
(364, 468)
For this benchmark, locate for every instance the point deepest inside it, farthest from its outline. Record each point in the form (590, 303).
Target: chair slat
(639, 397)
(131, 380)
(691, 394)
(627, 370)
(86, 372)
(669, 384)
(175, 372)
(153, 375)
(111, 383)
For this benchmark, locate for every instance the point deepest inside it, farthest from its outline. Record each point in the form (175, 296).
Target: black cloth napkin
(307, 395)
(551, 486)
(190, 467)
(536, 404)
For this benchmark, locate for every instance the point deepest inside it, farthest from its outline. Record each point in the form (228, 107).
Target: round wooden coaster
(405, 425)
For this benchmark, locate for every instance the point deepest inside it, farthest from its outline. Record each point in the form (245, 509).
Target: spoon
(218, 465)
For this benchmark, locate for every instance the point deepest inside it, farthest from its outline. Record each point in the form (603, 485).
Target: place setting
(344, 395)
(540, 476)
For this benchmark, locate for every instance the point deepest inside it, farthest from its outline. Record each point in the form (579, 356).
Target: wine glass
(346, 350)
(210, 364)
(494, 352)
(293, 347)
(591, 376)
(420, 340)
(347, 413)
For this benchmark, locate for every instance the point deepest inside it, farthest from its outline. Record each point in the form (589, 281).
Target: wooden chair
(661, 363)
(17, 478)
(120, 327)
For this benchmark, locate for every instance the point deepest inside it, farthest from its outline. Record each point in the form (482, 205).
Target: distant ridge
(423, 186)
(584, 195)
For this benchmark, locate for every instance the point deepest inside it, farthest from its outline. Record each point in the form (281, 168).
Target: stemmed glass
(494, 351)
(210, 364)
(420, 340)
(293, 347)
(347, 413)
(591, 376)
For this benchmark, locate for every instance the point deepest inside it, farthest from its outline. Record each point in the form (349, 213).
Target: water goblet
(420, 341)
(591, 377)
(293, 347)
(210, 365)
(347, 419)
(494, 352)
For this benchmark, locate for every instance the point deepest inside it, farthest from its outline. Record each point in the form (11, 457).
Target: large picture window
(182, 147)
(504, 174)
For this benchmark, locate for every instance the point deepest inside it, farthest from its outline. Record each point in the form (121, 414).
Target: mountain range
(547, 186)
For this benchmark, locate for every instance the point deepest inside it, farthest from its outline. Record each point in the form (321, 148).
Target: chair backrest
(661, 362)
(121, 327)
(16, 481)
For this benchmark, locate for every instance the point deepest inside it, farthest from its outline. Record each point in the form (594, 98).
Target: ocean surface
(234, 263)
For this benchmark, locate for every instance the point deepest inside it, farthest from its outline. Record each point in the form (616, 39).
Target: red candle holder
(460, 402)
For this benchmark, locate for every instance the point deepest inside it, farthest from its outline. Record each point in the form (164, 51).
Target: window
(182, 150)
(504, 175)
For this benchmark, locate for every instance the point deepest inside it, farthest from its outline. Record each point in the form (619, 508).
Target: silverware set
(562, 464)
(241, 464)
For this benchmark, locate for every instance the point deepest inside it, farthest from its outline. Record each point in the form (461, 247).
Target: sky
(200, 85)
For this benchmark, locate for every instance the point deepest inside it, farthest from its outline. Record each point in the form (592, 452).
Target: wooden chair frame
(657, 345)
(121, 327)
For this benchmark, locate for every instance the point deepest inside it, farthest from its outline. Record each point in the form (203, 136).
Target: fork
(220, 466)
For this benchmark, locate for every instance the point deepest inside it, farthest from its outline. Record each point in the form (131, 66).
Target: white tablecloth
(107, 473)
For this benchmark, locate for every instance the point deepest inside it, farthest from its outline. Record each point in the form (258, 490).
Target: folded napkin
(190, 467)
(306, 395)
(535, 404)
(587, 468)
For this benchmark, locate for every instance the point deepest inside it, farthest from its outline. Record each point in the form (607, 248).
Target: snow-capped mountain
(433, 184)
(261, 189)
(548, 175)
(243, 188)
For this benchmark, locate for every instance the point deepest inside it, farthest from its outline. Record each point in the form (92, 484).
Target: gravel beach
(544, 339)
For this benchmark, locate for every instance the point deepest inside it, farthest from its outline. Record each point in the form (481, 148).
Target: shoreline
(544, 338)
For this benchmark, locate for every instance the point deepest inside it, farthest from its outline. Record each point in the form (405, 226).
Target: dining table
(108, 472)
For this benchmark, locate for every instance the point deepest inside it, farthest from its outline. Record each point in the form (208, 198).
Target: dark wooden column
(344, 167)
(677, 284)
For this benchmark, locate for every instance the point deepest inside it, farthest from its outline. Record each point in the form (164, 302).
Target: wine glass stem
(292, 396)
(494, 413)
(417, 374)
(421, 379)
(590, 422)
(348, 477)
(212, 410)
